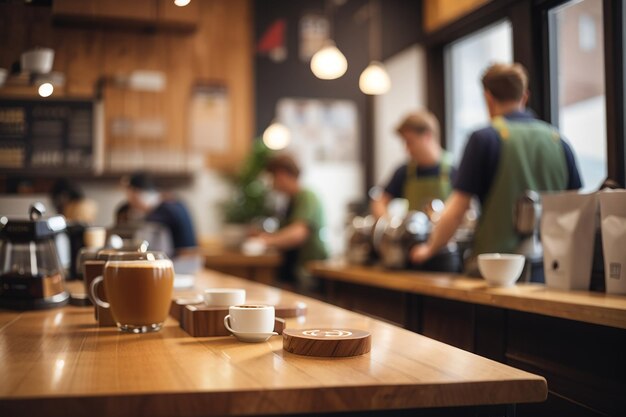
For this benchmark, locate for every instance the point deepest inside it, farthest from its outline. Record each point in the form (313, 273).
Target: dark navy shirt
(174, 215)
(482, 154)
(395, 187)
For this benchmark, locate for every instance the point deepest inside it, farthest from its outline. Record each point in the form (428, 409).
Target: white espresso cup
(250, 318)
(224, 297)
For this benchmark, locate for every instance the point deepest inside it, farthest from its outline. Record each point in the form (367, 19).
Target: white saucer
(253, 337)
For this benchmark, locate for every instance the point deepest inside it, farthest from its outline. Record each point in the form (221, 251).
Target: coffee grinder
(31, 275)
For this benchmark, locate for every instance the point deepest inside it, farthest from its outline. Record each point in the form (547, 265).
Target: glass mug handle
(94, 292)
(226, 324)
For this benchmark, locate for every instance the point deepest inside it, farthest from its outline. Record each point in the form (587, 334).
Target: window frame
(531, 17)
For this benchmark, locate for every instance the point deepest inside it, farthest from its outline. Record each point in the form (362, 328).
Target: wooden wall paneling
(139, 10)
(221, 50)
(170, 14)
(438, 13)
(74, 7)
(237, 71)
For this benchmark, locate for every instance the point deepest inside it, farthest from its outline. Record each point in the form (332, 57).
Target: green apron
(531, 158)
(420, 191)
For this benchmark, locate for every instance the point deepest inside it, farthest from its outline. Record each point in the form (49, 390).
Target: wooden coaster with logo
(327, 342)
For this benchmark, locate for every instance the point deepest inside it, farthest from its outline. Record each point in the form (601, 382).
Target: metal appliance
(402, 234)
(526, 217)
(31, 275)
(360, 245)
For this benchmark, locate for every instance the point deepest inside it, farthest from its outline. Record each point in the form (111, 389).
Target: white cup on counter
(224, 297)
(251, 323)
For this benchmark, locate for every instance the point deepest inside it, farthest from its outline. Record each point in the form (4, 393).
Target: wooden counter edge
(269, 402)
(481, 294)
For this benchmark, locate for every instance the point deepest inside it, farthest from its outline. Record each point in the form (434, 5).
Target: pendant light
(277, 136)
(374, 80)
(182, 3)
(329, 63)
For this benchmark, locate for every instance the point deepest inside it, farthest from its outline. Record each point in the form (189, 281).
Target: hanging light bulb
(45, 89)
(276, 136)
(182, 3)
(329, 63)
(374, 79)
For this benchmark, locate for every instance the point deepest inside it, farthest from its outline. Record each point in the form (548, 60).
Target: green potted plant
(248, 201)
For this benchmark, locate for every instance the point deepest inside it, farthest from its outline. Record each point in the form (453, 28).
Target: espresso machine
(402, 234)
(31, 275)
(360, 245)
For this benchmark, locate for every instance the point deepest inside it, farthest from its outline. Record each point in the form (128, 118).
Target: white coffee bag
(613, 223)
(568, 226)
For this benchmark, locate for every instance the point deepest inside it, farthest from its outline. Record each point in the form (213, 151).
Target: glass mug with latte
(139, 287)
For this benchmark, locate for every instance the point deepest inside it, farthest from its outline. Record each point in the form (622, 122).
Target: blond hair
(421, 121)
(506, 82)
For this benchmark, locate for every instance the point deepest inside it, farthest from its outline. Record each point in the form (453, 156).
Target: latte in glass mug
(139, 291)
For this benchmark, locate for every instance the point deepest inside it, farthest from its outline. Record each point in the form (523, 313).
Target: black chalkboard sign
(46, 135)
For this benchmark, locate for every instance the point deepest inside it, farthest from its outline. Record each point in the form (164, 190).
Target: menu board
(47, 135)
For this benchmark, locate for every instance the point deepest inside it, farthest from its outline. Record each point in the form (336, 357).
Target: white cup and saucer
(251, 322)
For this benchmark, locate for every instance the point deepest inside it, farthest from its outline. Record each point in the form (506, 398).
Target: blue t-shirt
(482, 154)
(174, 215)
(395, 186)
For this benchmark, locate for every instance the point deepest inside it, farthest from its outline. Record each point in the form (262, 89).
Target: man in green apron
(516, 153)
(427, 174)
(299, 236)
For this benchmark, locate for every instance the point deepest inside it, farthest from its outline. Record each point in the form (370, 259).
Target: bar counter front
(59, 363)
(575, 339)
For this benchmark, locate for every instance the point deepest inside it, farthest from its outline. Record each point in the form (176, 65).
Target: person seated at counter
(144, 198)
(426, 176)
(70, 201)
(515, 153)
(298, 237)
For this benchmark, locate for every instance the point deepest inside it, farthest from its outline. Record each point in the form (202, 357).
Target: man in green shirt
(299, 235)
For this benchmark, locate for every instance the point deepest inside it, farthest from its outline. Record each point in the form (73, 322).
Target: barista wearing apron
(427, 174)
(516, 153)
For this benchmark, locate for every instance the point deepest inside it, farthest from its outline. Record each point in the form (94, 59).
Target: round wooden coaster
(327, 342)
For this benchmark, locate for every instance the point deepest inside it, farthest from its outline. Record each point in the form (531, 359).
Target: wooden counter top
(58, 363)
(585, 306)
(238, 259)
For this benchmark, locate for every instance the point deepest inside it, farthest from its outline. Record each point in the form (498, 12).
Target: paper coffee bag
(568, 225)
(613, 223)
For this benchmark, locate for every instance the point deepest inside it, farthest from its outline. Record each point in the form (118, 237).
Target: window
(465, 62)
(577, 84)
